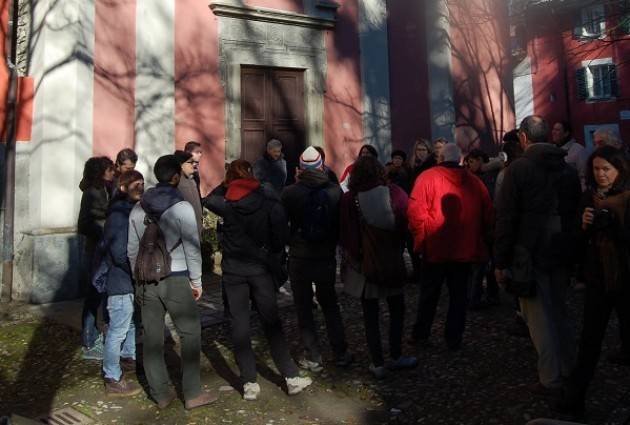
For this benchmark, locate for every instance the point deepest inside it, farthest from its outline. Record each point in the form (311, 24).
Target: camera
(602, 219)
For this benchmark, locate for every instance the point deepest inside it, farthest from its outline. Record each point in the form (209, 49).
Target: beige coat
(188, 188)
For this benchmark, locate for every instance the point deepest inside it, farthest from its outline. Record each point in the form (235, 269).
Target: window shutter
(582, 89)
(612, 75)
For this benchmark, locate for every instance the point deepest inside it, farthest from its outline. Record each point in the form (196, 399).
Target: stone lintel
(51, 231)
(269, 15)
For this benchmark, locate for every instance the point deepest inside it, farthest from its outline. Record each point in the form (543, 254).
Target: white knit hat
(311, 159)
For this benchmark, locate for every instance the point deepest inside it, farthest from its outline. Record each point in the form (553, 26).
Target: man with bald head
(536, 209)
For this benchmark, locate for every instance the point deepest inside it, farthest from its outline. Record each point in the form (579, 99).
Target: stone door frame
(273, 39)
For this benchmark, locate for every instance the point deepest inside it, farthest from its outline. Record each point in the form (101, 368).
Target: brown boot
(121, 388)
(127, 364)
(165, 402)
(201, 400)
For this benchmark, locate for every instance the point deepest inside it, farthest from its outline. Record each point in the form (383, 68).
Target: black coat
(294, 199)
(419, 168)
(274, 172)
(119, 280)
(536, 187)
(93, 212)
(253, 221)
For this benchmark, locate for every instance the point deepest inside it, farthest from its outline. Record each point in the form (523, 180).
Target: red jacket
(450, 214)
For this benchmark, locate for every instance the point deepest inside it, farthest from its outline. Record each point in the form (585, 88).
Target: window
(597, 80)
(591, 22)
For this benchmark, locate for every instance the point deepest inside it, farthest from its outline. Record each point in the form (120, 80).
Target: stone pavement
(483, 383)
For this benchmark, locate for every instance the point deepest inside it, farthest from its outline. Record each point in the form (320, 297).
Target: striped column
(439, 54)
(61, 66)
(114, 76)
(155, 83)
(375, 75)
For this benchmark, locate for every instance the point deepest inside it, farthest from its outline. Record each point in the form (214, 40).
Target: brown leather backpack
(154, 259)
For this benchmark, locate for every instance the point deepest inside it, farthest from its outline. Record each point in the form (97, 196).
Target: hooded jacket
(119, 280)
(178, 223)
(254, 222)
(450, 215)
(294, 198)
(272, 171)
(536, 188)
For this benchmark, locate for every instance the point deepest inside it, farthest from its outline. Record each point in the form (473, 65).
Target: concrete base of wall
(49, 266)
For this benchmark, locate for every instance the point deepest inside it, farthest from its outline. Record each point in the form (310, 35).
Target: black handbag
(521, 279)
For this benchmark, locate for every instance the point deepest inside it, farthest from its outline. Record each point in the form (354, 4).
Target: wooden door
(272, 107)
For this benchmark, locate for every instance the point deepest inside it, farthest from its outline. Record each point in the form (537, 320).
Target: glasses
(422, 150)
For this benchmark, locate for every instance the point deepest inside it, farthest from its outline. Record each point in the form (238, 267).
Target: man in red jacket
(450, 217)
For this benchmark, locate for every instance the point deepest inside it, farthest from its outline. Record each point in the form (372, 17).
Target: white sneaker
(298, 384)
(251, 391)
(311, 366)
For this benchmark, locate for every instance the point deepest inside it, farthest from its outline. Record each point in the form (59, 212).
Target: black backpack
(154, 259)
(316, 216)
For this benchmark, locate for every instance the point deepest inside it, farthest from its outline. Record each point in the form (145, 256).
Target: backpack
(100, 267)
(381, 254)
(316, 216)
(154, 260)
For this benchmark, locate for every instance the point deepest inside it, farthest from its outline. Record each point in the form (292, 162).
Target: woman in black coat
(98, 174)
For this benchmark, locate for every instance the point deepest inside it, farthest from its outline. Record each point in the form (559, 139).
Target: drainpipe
(8, 200)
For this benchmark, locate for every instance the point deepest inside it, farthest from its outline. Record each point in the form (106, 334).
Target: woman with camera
(605, 231)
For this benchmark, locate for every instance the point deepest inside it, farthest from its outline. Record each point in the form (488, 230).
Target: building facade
(100, 76)
(572, 64)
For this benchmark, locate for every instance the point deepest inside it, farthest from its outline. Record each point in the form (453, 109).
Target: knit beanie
(311, 159)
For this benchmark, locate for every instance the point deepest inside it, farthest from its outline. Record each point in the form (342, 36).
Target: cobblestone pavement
(483, 383)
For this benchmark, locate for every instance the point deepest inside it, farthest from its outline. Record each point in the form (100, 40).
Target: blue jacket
(119, 280)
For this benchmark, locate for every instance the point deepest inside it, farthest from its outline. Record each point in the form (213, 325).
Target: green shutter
(612, 75)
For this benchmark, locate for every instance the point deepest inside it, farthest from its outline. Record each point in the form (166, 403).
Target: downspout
(9, 129)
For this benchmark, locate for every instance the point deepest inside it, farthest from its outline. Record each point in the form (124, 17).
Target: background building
(100, 76)
(572, 62)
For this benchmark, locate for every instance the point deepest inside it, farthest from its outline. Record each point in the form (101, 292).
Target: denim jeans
(90, 331)
(93, 300)
(121, 335)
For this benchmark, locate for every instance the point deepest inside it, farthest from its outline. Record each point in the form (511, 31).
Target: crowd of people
(544, 213)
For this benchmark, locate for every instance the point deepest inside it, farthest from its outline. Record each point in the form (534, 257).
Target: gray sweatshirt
(179, 227)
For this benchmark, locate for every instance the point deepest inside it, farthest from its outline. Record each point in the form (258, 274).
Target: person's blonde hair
(419, 141)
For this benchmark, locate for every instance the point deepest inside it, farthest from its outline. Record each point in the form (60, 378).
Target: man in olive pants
(177, 293)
